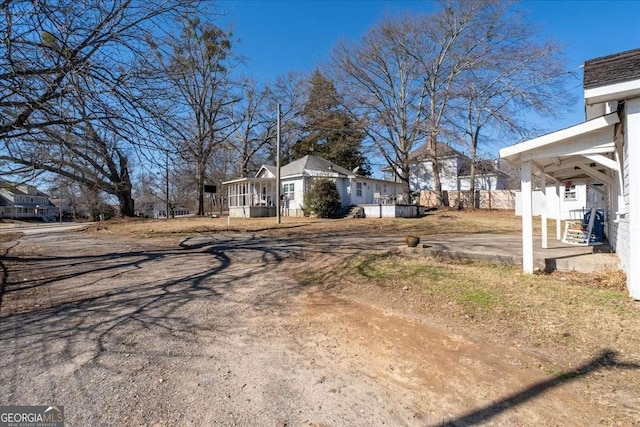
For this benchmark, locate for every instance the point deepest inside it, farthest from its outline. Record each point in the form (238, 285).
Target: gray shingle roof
(313, 163)
(443, 151)
(483, 167)
(614, 68)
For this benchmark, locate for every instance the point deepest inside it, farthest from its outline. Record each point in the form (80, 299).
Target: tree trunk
(123, 189)
(435, 167)
(472, 177)
(406, 191)
(200, 189)
(126, 202)
(405, 176)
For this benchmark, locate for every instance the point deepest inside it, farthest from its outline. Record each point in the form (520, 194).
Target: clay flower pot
(412, 241)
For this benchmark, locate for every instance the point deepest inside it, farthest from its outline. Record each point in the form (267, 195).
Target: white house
(20, 201)
(570, 201)
(455, 171)
(255, 197)
(604, 149)
(159, 210)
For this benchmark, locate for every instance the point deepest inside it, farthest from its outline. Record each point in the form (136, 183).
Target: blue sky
(281, 36)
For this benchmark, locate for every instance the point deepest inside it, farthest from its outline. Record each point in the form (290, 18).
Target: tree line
(116, 96)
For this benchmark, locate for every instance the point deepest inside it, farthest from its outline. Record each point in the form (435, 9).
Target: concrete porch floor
(507, 249)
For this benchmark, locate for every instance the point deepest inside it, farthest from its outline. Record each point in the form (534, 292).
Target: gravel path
(125, 334)
(215, 331)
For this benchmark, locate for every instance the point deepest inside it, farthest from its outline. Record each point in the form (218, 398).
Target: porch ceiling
(580, 153)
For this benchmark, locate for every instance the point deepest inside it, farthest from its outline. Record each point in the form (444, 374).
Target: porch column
(543, 214)
(558, 214)
(633, 160)
(527, 221)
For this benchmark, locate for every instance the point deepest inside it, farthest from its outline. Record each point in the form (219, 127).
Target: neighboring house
(489, 176)
(159, 210)
(255, 197)
(22, 201)
(571, 200)
(604, 149)
(455, 171)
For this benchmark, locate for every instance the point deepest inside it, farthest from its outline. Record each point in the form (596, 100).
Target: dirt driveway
(215, 330)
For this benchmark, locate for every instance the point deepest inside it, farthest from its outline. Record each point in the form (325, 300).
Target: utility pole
(278, 204)
(166, 182)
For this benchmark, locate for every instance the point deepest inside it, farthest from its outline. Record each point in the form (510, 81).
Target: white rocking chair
(576, 232)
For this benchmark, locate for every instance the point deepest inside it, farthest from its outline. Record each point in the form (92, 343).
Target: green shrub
(322, 199)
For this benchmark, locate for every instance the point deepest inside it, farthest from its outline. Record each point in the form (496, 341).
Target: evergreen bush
(322, 199)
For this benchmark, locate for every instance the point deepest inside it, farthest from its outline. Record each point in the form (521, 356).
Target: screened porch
(251, 197)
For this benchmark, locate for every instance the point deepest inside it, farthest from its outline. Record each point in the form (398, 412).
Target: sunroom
(251, 197)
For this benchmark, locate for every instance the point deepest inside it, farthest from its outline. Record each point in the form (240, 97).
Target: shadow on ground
(607, 359)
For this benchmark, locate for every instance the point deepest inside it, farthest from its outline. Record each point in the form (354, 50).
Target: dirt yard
(141, 324)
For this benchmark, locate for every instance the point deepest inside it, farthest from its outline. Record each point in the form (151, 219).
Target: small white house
(159, 210)
(604, 149)
(255, 197)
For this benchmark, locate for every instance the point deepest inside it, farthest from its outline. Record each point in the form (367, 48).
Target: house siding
(343, 190)
(293, 206)
(572, 209)
(484, 182)
(422, 174)
(622, 225)
(629, 224)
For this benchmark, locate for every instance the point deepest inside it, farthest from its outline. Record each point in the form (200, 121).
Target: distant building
(455, 171)
(23, 201)
(159, 210)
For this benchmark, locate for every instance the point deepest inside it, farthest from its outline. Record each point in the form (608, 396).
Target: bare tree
(513, 77)
(199, 65)
(68, 102)
(290, 91)
(256, 127)
(387, 88)
(405, 76)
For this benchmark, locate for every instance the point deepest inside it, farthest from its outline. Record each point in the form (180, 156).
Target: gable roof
(444, 151)
(20, 189)
(614, 68)
(312, 165)
(483, 167)
(266, 171)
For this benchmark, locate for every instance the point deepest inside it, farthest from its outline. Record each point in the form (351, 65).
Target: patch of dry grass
(610, 278)
(9, 237)
(436, 222)
(579, 313)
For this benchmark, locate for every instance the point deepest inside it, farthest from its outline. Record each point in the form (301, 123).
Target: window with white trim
(359, 189)
(570, 193)
(289, 191)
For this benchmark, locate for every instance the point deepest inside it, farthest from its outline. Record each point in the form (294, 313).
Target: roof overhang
(612, 92)
(581, 152)
(248, 180)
